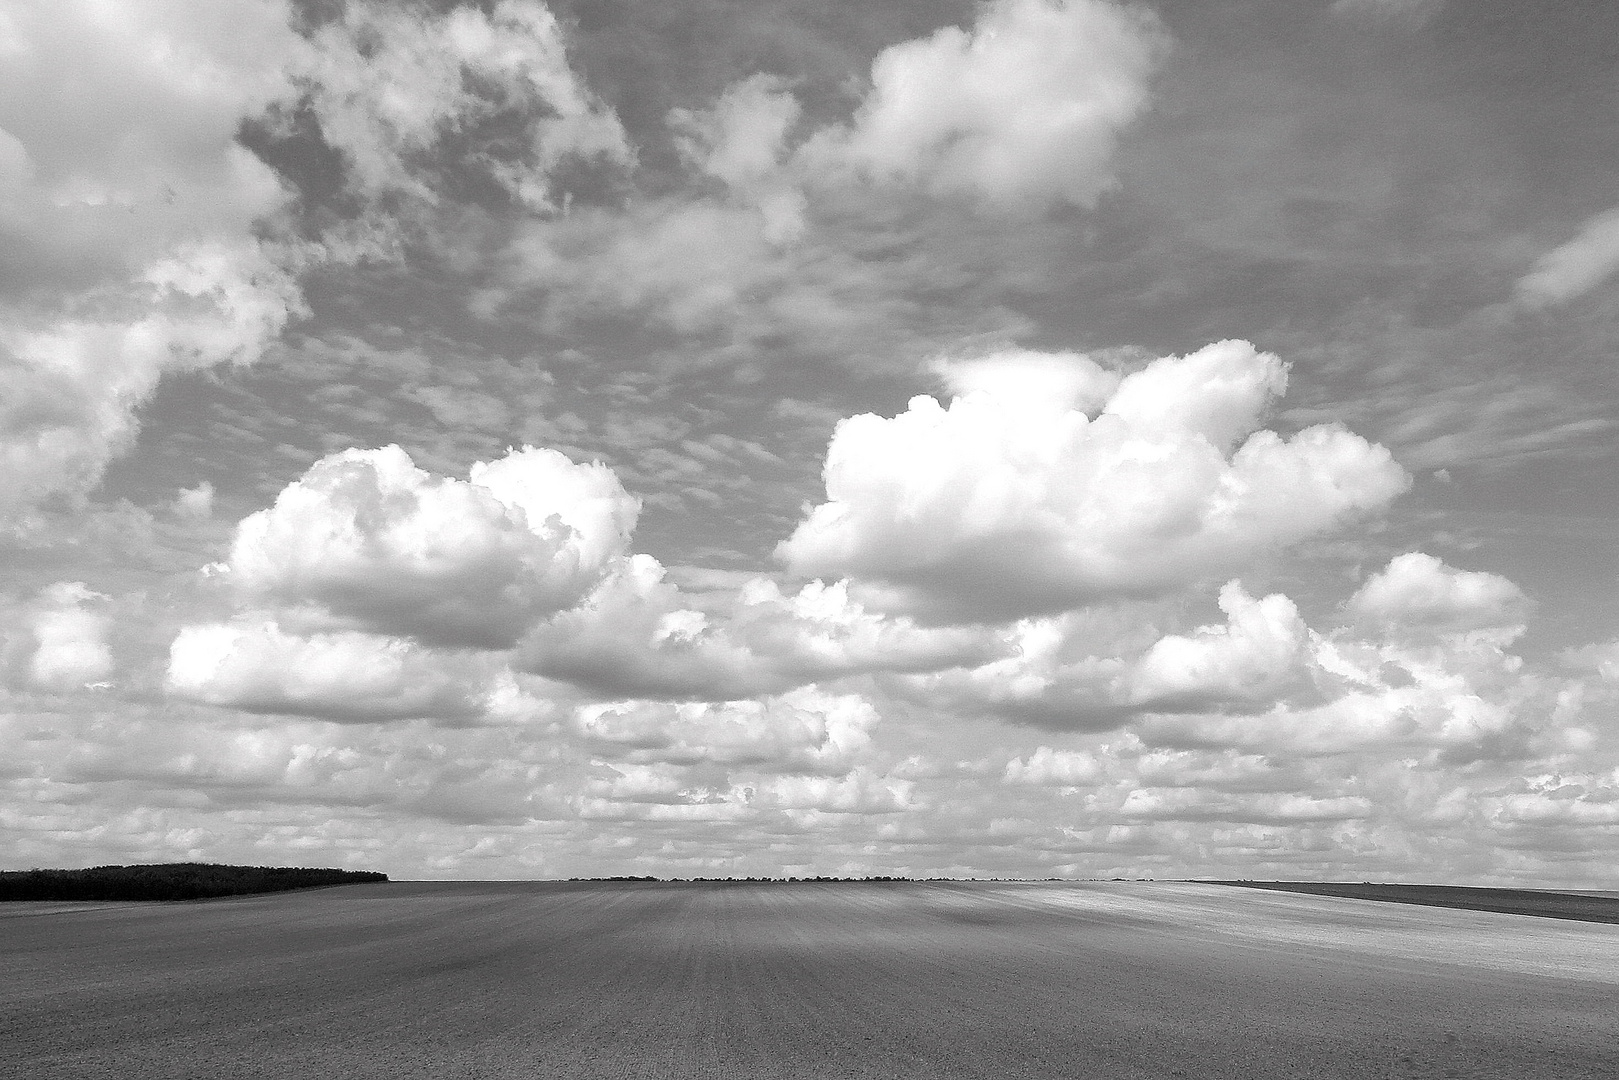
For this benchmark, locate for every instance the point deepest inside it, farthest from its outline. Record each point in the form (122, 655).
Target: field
(802, 980)
(1583, 906)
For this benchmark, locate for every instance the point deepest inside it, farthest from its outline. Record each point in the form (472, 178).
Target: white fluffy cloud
(994, 507)
(127, 210)
(803, 731)
(639, 635)
(366, 540)
(1253, 657)
(1022, 109)
(1438, 679)
(71, 638)
(343, 676)
(1060, 768)
(1576, 267)
(1419, 592)
(1104, 668)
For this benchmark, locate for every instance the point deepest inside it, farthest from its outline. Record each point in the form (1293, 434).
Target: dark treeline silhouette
(169, 881)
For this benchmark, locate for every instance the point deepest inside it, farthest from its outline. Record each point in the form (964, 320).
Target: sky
(1037, 438)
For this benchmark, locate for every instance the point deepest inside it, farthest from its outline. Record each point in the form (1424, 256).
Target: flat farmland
(538, 979)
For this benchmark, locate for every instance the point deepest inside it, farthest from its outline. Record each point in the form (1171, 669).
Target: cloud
(72, 386)
(120, 134)
(1416, 591)
(741, 140)
(127, 215)
(1601, 658)
(1576, 267)
(366, 540)
(862, 791)
(1022, 110)
(1453, 699)
(788, 240)
(393, 85)
(1389, 12)
(639, 635)
(1105, 668)
(1253, 658)
(71, 637)
(993, 508)
(803, 731)
(1060, 768)
(196, 503)
(346, 677)
(141, 236)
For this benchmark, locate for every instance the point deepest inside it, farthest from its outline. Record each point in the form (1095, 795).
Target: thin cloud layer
(1576, 267)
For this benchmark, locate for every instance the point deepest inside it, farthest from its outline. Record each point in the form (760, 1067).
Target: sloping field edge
(1580, 907)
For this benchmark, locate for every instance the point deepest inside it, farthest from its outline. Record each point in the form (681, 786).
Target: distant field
(1581, 906)
(620, 979)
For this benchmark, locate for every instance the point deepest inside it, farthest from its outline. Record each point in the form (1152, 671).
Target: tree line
(170, 881)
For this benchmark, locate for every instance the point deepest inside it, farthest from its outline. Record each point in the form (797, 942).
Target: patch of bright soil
(1580, 906)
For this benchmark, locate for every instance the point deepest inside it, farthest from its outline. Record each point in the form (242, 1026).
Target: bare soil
(802, 980)
(1583, 906)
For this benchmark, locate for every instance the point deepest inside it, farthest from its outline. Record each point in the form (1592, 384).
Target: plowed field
(802, 980)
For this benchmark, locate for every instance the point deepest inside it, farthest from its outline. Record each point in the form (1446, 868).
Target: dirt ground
(802, 980)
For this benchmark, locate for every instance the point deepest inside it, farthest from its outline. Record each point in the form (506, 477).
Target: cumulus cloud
(1059, 768)
(1101, 669)
(1416, 591)
(1576, 267)
(639, 635)
(346, 676)
(366, 540)
(1253, 657)
(992, 508)
(1436, 678)
(1022, 109)
(1456, 698)
(804, 731)
(71, 648)
(862, 791)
